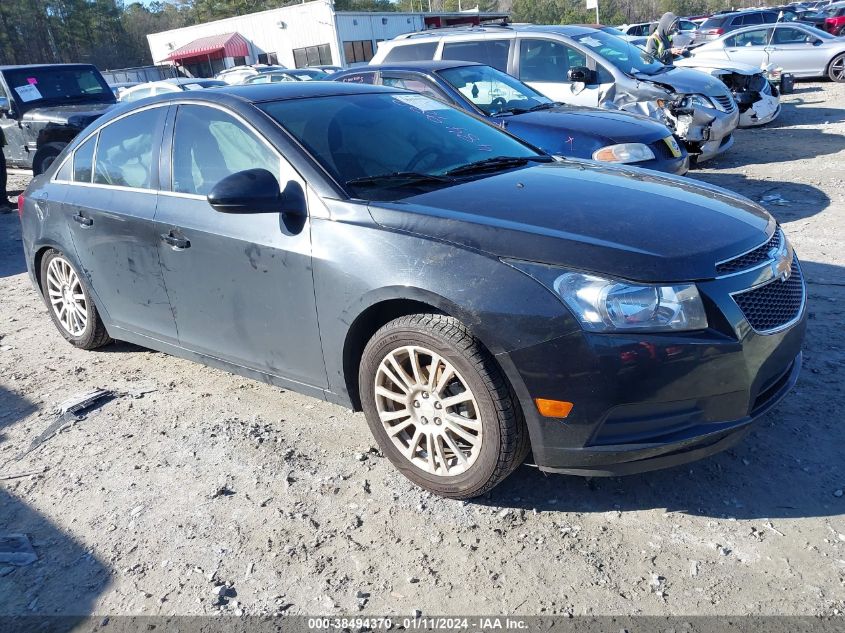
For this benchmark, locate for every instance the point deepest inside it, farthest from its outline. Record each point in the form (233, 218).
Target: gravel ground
(198, 492)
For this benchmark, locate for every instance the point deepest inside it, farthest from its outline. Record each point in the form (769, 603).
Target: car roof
(570, 30)
(423, 66)
(34, 66)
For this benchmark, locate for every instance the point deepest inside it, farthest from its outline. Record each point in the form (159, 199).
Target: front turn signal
(553, 408)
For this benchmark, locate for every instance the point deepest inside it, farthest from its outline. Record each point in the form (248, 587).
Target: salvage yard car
(798, 49)
(42, 108)
(477, 298)
(556, 128)
(588, 67)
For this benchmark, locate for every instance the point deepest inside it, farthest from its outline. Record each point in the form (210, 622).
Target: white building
(308, 34)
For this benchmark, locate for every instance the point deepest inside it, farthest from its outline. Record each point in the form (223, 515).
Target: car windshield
(38, 86)
(622, 54)
(492, 91)
(419, 140)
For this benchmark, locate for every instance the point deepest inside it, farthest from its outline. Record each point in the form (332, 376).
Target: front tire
(440, 407)
(836, 70)
(69, 302)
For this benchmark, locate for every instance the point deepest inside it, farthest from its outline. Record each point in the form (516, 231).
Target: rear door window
(411, 52)
(490, 52)
(125, 151)
(547, 61)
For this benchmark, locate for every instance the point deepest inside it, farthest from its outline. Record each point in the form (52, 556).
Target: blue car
(604, 135)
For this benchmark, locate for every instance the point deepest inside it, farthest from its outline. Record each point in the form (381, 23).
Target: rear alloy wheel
(69, 303)
(440, 407)
(836, 70)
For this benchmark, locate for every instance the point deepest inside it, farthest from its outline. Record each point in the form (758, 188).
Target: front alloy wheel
(428, 411)
(440, 406)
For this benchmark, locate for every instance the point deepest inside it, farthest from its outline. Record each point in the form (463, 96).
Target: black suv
(42, 108)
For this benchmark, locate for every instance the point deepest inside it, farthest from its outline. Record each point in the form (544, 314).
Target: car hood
(629, 223)
(714, 66)
(617, 127)
(686, 81)
(77, 114)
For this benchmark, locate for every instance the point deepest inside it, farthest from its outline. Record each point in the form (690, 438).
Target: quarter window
(547, 61)
(411, 52)
(490, 52)
(83, 158)
(125, 151)
(209, 145)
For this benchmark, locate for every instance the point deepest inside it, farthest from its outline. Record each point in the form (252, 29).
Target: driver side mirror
(5, 106)
(582, 75)
(256, 191)
(817, 42)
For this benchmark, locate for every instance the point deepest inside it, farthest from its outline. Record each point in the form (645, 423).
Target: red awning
(216, 46)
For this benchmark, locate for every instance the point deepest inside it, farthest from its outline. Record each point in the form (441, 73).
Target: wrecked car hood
(635, 224)
(718, 66)
(686, 81)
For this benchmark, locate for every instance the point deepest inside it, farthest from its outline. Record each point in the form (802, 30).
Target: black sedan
(477, 298)
(600, 134)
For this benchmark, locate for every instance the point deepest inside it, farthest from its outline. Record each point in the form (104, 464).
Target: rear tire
(456, 431)
(836, 69)
(69, 302)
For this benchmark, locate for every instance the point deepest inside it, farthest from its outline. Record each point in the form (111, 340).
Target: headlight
(700, 101)
(611, 305)
(624, 153)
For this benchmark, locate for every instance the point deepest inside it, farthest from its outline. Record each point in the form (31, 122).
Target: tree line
(112, 33)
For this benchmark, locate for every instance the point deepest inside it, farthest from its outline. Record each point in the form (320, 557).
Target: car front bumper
(648, 401)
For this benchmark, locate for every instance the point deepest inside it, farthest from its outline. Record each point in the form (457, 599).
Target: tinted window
(544, 60)
(490, 52)
(769, 17)
(411, 52)
(366, 135)
(415, 84)
(125, 151)
(209, 144)
(40, 85)
(712, 23)
(83, 158)
(749, 18)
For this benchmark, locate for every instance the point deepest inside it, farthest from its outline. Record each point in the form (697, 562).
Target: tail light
(20, 206)
(714, 31)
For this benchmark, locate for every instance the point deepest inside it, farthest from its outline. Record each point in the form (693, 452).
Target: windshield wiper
(497, 162)
(545, 106)
(399, 178)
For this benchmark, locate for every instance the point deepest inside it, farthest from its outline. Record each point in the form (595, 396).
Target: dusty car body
(600, 70)
(43, 107)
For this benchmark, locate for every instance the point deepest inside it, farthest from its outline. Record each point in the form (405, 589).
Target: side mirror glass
(5, 106)
(581, 74)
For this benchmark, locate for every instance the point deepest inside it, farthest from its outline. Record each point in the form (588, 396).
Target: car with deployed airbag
(480, 300)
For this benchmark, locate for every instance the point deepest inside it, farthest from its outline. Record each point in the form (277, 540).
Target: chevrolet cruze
(478, 299)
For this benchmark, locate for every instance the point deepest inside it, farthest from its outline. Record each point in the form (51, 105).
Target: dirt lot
(192, 478)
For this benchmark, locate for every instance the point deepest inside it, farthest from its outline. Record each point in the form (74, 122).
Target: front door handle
(81, 219)
(177, 242)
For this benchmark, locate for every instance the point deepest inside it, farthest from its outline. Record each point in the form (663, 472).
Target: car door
(749, 47)
(796, 51)
(544, 65)
(240, 285)
(110, 205)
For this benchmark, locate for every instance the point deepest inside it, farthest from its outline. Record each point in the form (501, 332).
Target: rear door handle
(177, 242)
(81, 219)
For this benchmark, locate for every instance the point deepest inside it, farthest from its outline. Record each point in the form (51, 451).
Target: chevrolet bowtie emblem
(781, 262)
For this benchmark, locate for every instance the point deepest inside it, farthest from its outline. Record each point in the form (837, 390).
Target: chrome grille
(752, 258)
(726, 101)
(773, 305)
